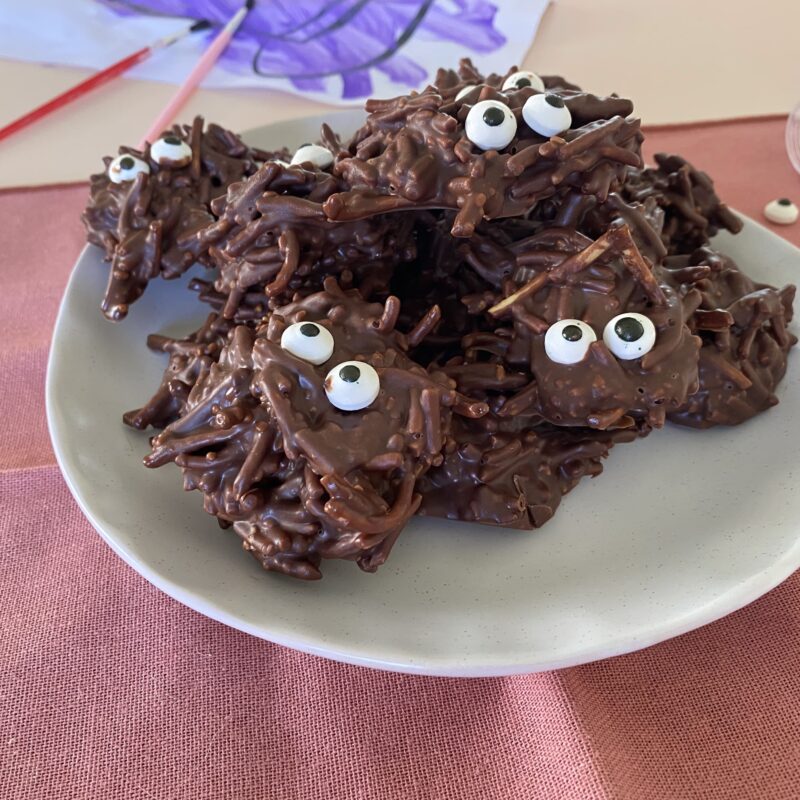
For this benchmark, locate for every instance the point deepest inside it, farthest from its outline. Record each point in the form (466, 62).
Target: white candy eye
(781, 212)
(319, 156)
(546, 114)
(280, 161)
(567, 341)
(170, 151)
(521, 79)
(308, 341)
(352, 385)
(464, 92)
(629, 336)
(126, 168)
(490, 125)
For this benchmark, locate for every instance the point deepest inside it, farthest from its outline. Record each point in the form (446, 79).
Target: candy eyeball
(352, 385)
(521, 79)
(490, 125)
(309, 341)
(462, 93)
(546, 114)
(262, 164)
(319, 156)
(170, 151)
(568, 340)
(126, 168)
(781, 212)
(629, 336)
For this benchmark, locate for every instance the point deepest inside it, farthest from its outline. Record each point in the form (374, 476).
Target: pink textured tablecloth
(110, 689)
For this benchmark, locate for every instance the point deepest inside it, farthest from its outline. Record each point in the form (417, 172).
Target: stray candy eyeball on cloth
(781, 212)
(546, 114)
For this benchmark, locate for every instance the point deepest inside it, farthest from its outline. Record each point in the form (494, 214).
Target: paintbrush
(96, 80)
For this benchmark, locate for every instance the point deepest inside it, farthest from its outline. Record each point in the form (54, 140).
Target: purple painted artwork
(307, 41)
(337, 51)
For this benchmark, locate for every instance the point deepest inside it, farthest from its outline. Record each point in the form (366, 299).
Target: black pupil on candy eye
(127, 163)
(171, 140)
(350, 373)
(494, 116)
(554, 100)
(572, 333)
(629, 329)
(307, 144)
(784, 201)
(309, 329)
(523, 82)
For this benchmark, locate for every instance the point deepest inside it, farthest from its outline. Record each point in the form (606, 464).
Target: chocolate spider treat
(599, 334)
(496, 474)
(190, 358)
(309, 435)
(146, 209)
(745, 340)
(487, 155)
(272, 239)
(693, 212)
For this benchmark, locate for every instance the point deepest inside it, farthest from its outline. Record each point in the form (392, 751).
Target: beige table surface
(679, 60)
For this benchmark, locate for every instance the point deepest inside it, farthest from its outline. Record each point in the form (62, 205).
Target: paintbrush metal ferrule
(166, 41)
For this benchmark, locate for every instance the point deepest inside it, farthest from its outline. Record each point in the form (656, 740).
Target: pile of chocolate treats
(456, 312)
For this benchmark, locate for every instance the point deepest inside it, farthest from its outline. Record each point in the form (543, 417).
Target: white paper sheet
(338, 51)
